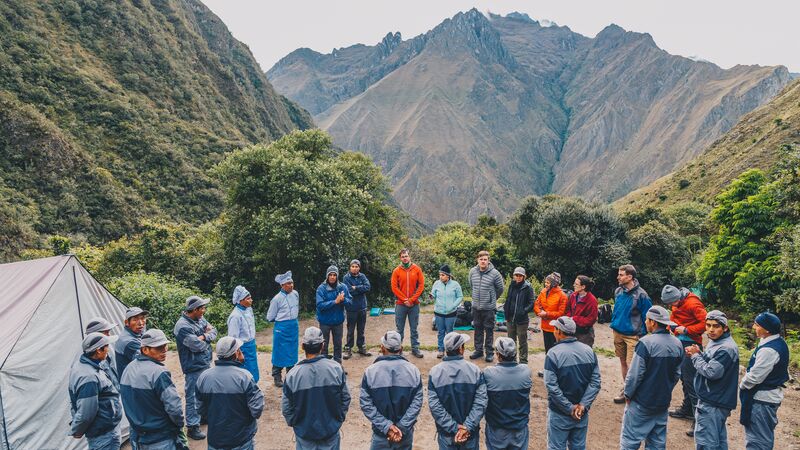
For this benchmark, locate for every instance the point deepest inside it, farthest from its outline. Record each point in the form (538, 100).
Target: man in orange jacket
(408, 282)
(689, 314)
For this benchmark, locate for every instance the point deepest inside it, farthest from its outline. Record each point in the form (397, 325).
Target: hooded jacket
(690, 314)
(408, 283)
(630, 308)
(554, 303)
(360, 287)
(328, 311)
(487, 286)
(519, 302)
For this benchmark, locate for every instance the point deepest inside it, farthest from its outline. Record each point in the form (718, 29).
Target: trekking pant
(332, 443)
(483, 321)
(760, 434)
(504, 439)
(379, 442)
(249, 445)
(587, 337)
(549, 340)
(190, 381)
(709, 427)
(444, 325)
(565, 432)
(518, 332)
(447, 442)
(400, 314)
(687, 379)
(334, 333)
(356, 322)
(639, 425)
(106, 441)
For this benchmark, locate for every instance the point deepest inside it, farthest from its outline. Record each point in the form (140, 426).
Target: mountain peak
(616, 33)
(389, 42)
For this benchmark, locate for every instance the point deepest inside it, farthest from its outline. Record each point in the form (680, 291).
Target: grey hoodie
(486, 286)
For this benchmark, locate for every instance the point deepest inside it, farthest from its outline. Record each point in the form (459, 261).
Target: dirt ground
(605, 417)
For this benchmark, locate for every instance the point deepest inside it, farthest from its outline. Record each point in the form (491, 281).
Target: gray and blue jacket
(654, 371)
(328, 311)
(359, 294)
(94, 399)
(195, 355)
(508, 386)
(128, 345)
(230, 399)
(717, 379)
(630, 309)
(315, 398)
(487, 286)
(571, 376)
(456, 395)
(391, 394)
(151, 401)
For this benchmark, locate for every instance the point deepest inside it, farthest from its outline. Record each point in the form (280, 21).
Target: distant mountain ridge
(479, 112)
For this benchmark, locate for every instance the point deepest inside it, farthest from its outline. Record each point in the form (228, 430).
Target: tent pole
(77, 300)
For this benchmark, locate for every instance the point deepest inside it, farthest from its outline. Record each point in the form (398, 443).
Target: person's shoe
(489, 357)
(363, 352)
(347, 353)
(681, 413)
(195, 433)
(690, 433)
(620, 398)
(540, 374)
(417, 353)
(476, 355)
(440, 355)
(277, 381)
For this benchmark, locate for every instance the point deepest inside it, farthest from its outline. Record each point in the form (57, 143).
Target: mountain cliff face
(481, 111)
(112, 112)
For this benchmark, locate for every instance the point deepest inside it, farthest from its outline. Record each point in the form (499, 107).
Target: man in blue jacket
(228, 395)
(391, 396)
(457, 397)
(358, 286)
(631, 303)
(761, 389)
(315, 397)
(572, 379)
(654, 372)
(193, 335)
(94, 399)
(508, 387)
(127, 346)
(716, 383)
(151, 401)
(332, 297)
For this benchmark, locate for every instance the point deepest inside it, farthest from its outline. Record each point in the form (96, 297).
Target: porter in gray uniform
(654, 372)
(128, 344)
(508, 387)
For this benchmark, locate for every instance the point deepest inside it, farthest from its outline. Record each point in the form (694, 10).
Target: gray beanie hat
(554, 278)
(356, 262)
(332, 269)
(670, 294)
(719, 316)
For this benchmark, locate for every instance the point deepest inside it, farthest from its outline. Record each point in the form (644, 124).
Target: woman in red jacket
(582, 307)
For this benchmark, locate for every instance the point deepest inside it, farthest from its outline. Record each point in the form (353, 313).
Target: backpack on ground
(604, 313)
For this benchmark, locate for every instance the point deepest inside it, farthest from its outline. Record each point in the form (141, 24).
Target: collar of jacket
(312, 360)
(134, 334)
(661, 331)
(724, 335)
(228, 362)
(453, 358)
(633, 288)
(143, 357)
(390, 358)
(190, 319)
(87, 360)
(507, 363)
(567, 340)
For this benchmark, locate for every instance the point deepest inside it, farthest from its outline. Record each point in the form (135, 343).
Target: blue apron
(285, 340)
(250, 358)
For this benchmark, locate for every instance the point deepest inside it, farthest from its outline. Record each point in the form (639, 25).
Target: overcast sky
(723, 32)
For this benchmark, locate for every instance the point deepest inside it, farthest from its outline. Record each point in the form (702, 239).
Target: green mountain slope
(111, 112)
(755, 142)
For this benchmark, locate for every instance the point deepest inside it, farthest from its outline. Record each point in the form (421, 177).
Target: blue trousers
(190, 383)
(444, 325)
(709, 427)
(447, 442)
(401, 312)
(760, 434)
(332, 443)
(250, 445)
(639, 425)
(565, 432)
(107, 441)
(379, 442)
(502, 439)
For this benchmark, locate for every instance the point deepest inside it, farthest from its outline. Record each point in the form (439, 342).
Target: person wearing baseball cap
(150, 399)
(572, 379)
(315, 396)
(457, 397)
(653, 373)
(228, 395)
(447, 297)
(391, 396)
(101, 325)
(242, 325)
(518, 304)
(283, 311)
(356, 311)
(95, 405)
(716, 383)
(128, 344)
(193, 336)
(508, 388)
(761, 389)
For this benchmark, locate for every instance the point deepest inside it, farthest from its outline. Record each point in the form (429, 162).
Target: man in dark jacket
(332, 298)
(508, 388)
(716, 383)
(654, 371)
(315, 397)
(94, 399)
(230, 398)
(487, 286)
(391, 396)
(193, 335)
(127, 346)
(519, 302)
(358, 284)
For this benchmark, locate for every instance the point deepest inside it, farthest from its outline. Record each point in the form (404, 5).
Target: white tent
(44, 307)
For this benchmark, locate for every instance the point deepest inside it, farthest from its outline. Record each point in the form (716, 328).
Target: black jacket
(519, 302)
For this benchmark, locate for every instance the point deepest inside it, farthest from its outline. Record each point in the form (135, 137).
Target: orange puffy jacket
(692, 315)
(408, 283)
(554, 303)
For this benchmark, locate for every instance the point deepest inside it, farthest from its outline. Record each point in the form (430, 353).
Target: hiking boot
(417, 353)
(440, 355)
(476, 355)
(195, 433)
(347, 353)
(277, 380)
(620, 398)
(690, 433)
(363, 352)
(489, 357)
(682, 413)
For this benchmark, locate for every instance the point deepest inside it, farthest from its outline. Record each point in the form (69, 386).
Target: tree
(658, 253)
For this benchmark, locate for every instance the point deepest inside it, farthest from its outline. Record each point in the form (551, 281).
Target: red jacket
(691, 314)
(408, 283)
(583, 311)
